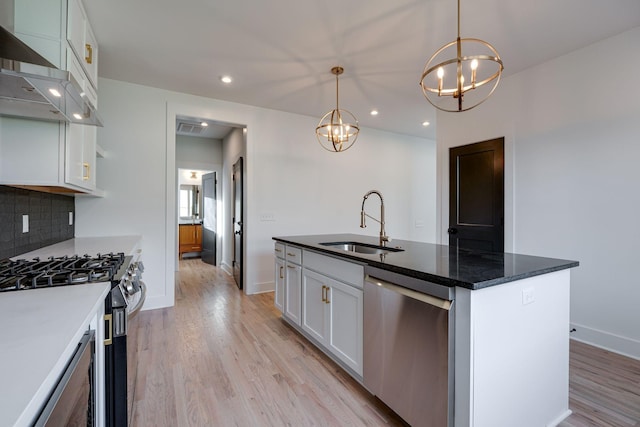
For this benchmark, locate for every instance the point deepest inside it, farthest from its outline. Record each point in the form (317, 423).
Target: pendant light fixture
(444, 83)
(338, 129)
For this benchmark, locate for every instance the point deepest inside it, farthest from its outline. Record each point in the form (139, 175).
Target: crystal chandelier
(443, 81)
(338, 129)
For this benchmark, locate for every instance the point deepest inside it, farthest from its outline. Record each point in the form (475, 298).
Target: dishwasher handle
(429, 299)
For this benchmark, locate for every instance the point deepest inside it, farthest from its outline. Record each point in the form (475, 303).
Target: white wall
(571, 130)
(288, 174)
(198, 153)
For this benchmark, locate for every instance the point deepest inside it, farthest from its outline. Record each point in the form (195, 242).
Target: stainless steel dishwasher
(408, 346)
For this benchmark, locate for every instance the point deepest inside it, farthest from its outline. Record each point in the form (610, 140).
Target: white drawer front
(342, 270)
(279, 250)
(294, 254)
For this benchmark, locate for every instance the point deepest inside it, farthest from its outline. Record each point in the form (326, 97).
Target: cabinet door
(293, 279)
(279, 298)
(90, 54)
(74, 163)
(75, 27)
(345, 325)
(315, 319)
(80, 156)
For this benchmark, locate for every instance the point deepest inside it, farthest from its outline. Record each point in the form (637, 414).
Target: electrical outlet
(25, 223)
(528, 296)
(70, 218)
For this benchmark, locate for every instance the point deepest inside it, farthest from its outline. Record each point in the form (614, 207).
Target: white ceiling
(192, 126)
(280, 52)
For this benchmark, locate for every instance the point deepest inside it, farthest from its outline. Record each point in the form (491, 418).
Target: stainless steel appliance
(71, 402)
(409, 346)
(121, 305)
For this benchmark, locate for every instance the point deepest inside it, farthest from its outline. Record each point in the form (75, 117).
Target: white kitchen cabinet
(46, 156)
(332, 315)
(323, 300)
(279, 275)
(315, 317)
(293, 288)
(81, 39)
(41, 24)
(288, 275)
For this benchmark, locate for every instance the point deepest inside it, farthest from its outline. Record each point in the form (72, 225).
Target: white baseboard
(152, 303)
(226, 268)
(606, 340)
(561, 418)
(260, 288)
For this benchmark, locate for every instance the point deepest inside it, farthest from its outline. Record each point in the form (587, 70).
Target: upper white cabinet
(81, 40)
(46, 156)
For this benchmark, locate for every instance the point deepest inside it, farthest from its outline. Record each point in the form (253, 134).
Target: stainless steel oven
(72, 401)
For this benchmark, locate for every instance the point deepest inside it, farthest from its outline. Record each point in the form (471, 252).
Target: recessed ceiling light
(425, 124)
(374, 112)
(226, 79)
(204, 124)
(55, 92)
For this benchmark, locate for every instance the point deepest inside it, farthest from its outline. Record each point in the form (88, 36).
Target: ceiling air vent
(189, 128)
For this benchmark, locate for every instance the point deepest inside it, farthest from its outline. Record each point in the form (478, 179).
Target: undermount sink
(362, 248)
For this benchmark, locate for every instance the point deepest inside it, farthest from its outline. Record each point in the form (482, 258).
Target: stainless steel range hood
(31, 87)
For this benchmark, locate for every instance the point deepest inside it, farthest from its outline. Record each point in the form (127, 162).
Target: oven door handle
(143, 295)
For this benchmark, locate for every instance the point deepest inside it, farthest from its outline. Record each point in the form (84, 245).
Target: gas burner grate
(58, 271)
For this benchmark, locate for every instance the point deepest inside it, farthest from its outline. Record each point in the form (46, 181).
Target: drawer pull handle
(290, 254)
(324, 299)
(278, 250)
(291, 266)
(281, 268)
(89, 57)
(86, 171)
(109, 329)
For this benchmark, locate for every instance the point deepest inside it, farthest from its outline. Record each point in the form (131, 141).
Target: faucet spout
(383, 235)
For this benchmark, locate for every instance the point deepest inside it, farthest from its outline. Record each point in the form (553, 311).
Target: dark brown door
(209, 219)
(237, 222)
(476, 196)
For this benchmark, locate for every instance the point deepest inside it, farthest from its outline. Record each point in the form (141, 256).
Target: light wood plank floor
(220, 358)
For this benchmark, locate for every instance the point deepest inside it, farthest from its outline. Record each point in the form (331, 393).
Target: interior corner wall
(571, 177)
(289, 179)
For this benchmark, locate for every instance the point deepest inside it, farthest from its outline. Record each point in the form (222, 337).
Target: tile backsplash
(48, 220)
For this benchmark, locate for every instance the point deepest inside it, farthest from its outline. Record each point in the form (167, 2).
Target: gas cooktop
(61, 271)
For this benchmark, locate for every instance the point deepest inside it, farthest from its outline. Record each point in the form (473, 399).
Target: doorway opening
(205, 152)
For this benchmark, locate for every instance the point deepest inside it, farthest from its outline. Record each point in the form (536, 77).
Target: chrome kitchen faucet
(383, 235)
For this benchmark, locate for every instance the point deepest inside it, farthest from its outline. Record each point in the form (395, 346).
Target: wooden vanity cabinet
(190, 238)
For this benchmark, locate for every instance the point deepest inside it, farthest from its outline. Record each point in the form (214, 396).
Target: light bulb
(474, 64)
(440, 72)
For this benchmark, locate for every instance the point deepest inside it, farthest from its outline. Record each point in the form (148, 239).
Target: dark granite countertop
(439, 264)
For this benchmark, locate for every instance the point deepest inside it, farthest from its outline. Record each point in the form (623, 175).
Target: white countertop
(87, 245)
(40, 331)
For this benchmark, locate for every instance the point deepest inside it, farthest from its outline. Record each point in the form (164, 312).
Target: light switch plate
(25, 223)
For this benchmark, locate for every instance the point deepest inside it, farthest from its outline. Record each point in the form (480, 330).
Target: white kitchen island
(501, 357)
